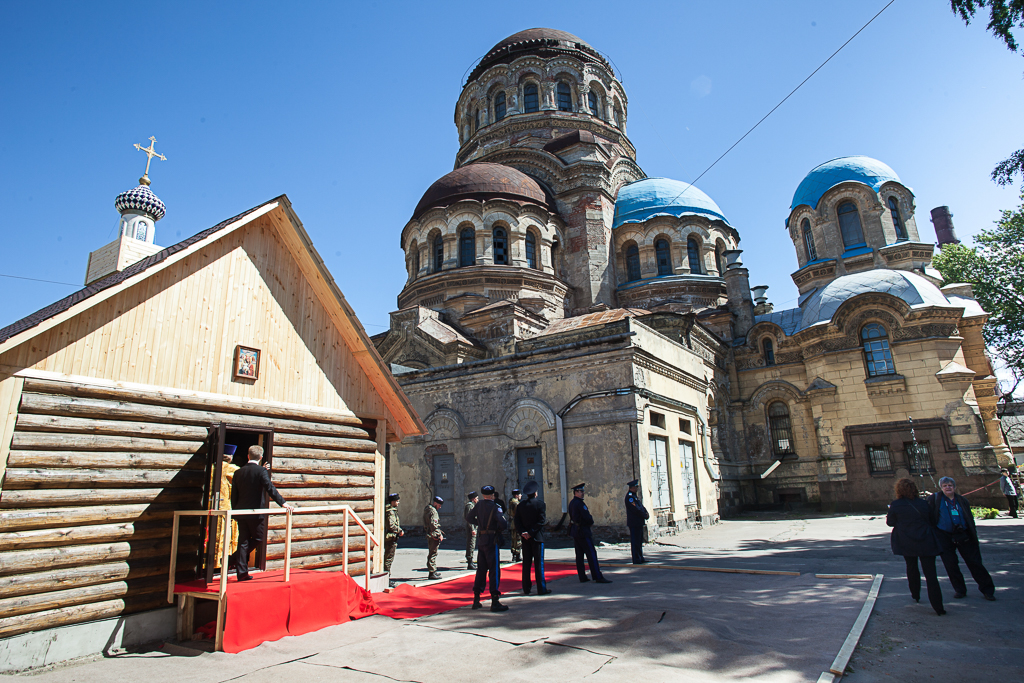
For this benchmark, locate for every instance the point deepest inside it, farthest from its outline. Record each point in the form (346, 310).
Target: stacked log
(94, 477)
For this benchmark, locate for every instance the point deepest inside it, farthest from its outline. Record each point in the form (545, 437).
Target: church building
(568, 318)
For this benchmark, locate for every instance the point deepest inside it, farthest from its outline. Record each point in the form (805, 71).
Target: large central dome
(483, 181)
(545, 42)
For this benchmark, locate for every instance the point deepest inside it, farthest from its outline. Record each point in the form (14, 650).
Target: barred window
(499, 106)
(564, 96)
(693, 256)
(664, 257)
(531, 103)
(438, 254)
(500, 247)
(919, 457)
(812, 253)
(877, 355)
(879, 460)
(632, 263)
(531, 250)
(894, 209)
(778, 424)
(849, 225)
(467, 247)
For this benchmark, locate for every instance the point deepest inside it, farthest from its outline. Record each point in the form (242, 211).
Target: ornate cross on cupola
(150, 153)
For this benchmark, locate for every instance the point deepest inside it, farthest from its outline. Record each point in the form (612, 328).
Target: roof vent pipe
(943, 221)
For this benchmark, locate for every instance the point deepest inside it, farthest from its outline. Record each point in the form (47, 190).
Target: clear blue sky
(348, 108)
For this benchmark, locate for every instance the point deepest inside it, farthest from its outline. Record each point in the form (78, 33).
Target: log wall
(95, 472)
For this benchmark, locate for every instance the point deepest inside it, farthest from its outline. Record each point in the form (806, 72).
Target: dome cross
(150, 153)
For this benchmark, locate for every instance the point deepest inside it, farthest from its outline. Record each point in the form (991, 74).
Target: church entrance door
(530, 468)
(660, 495)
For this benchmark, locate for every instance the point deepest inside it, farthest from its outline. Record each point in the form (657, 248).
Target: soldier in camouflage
(470, 531)
(432, 528)
(392, 531)
(517, 539)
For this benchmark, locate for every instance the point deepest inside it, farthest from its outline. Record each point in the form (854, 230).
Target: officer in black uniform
(490, 521)
(529, 520)
(636, 517)
(580, 521)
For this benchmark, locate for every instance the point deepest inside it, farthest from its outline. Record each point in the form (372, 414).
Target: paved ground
(658, 624)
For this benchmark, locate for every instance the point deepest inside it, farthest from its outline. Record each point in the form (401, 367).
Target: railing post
(287, 545)
(174, 559)
(366, 560)
(224, 552)
(344, 552)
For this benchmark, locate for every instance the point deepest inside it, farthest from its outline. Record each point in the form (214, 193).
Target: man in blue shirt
(951, 513)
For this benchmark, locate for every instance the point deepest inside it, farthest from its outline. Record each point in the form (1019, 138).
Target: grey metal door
(689, 481)
(444, 476)
(530, 468)
(659, 472)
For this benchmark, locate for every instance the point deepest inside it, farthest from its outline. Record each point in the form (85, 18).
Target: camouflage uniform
(517, 540)
(470, 534)
(432, 528)
(392, 528)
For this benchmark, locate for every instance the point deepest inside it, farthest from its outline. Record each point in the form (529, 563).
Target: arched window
(531, 102)
(564, 95)
(769, 351)
(618, 116)
(632, 263)
(140, 230)
(812, 253)
(778, 425)
(554, 258)
(500, 246)
(894, 209)
(531, 250)
(719, 263)
(849, 225)
(693, 256)
(476, 120)
(664, 256)
(592, 102)
(415, 260)
(499, 106)
(877, 355)
(467, 247)
(438, 254)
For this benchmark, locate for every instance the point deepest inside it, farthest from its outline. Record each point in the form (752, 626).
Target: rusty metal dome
(544, 42)
(482, 181)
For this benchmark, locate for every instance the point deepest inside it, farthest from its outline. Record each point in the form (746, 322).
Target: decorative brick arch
(444, 424)
(527, 417)
(775, 389)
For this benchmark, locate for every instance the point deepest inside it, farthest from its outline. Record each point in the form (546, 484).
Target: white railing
(225, 531)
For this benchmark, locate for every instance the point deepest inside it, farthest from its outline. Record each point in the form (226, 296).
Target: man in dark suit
(580, 521)
(636, 519)
(250, 486)
(490, 520)
(529, 520)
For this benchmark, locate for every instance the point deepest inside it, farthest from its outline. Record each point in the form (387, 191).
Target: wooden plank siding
(95, 472)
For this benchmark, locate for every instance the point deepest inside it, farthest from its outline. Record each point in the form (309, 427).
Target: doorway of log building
(228, 449)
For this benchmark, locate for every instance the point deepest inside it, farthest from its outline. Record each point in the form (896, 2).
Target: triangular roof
(406, 421)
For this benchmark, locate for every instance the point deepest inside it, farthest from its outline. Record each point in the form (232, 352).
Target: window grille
(664, 257)
(877, 355)
(778, 424)
(879, 460)
(500, 247)
(919, 457)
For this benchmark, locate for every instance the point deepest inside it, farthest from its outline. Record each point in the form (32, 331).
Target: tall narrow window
(693, 256)
(618, 116)
(140, 231)
(664, 257)
(531, 102)
(769, 351)
(564, 96)
(592, 102)
(894, 209)
(531, 250)
(438, 254)
(719, 263)
(778, 425)
(849, 225)
(632, 263)
(877, 355)
(554, 258)
(476, 120)
(500, 246)
(467, 247)
(812, 253)
(499, 106)
(415, 260)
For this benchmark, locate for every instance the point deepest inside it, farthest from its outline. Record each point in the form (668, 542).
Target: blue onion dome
(644, 199)
(141, 199)
(821, 179)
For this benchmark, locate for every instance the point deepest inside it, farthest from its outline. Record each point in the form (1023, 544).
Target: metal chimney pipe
(943, 221)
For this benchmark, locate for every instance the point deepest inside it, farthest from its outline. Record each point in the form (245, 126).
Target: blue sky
(349, 110)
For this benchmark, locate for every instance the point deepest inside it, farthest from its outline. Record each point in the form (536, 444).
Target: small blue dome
(141, 199)
(650, 197)
(871, 172)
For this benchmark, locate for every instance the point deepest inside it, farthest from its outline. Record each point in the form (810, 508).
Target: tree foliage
(995, 270)
(1004, 16)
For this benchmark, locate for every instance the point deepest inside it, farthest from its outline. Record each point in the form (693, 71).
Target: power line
(35, 279)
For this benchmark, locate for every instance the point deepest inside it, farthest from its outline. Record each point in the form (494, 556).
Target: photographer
(951, 513)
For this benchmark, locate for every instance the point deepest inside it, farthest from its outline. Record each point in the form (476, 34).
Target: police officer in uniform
(636, 517)
(529, 521)
(432, 528)
(517, 540)
(489, 518)
(470, 531)
(580, 521)
(392, 531)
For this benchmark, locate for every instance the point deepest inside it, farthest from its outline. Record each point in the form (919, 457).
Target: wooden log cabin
(113, 399)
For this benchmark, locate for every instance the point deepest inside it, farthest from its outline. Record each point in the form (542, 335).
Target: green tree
(1004, 16)
(995, 269)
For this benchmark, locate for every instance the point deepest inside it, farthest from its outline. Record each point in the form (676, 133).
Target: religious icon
(531, 473)
(247, 362)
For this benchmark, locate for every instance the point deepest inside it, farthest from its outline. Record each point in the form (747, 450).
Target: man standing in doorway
(529, 521)
(580, 522)
(1009, 490)
(490, 519)
(432, 528)
(249, 486)
(517, 540)
(470, 531)
(636, 519)
(392, 531)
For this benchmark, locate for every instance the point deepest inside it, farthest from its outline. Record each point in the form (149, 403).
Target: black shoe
(602, 580)
(939, 614)
(959, 595)
(916, 598)
(245, 577)
(433, 576)
(584, 579)
(476, 602)
(990, 598)
(526, 592)
(544, 591)
(497, 606)
(471, 566)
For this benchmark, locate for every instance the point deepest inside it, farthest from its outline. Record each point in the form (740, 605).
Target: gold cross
(150, 153)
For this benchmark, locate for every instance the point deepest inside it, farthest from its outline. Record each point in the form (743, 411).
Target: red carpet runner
(267, 608)
(409, 602)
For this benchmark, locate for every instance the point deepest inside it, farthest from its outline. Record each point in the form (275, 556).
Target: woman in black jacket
(914, 539)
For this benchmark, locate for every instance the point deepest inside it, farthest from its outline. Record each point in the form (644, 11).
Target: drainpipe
(562, 476)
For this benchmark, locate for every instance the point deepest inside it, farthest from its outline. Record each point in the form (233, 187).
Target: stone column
(648, 261)
(451, 252)
(547, 96)
(737, 287)
(544, 256)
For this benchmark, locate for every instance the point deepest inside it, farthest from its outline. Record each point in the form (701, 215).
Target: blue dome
(141, 199)
(650, 197)
(871, 172)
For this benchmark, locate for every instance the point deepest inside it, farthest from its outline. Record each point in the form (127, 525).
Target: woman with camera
(914, 537)
(951, 513)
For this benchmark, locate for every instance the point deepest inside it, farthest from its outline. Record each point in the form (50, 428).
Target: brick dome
(483, 181)
(544, 42)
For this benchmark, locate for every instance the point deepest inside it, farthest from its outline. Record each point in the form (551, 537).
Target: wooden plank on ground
(846, 651)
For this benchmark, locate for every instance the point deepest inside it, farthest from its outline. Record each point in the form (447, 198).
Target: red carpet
(409, 602)
(267, 608)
